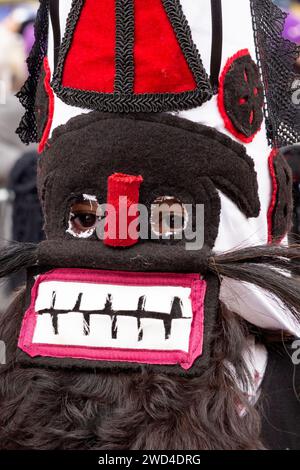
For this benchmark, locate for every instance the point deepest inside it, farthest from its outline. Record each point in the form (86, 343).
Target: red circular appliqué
(241, 97)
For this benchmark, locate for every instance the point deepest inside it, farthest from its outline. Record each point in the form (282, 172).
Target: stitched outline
(125, 100)
(184, 359)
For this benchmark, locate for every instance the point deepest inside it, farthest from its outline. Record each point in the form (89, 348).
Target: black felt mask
(190, 164)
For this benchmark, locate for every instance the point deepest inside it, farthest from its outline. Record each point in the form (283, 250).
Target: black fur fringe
(275, 268)
(70, 409)
(15, 256)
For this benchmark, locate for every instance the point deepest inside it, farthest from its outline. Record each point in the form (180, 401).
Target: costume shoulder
(280, 399)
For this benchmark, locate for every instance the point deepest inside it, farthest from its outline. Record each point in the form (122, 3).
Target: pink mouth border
(145, 356)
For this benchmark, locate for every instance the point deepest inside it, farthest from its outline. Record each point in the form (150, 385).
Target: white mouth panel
(109, 331)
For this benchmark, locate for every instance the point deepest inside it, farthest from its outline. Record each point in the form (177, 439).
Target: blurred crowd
(16, 39)
(20, 216)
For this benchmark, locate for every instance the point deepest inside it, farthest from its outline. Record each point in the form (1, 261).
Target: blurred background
(20, 214)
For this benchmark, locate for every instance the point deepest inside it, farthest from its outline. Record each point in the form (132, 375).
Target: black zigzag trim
(123, 99)
(72, 20)
(124, 46)
(184, 37)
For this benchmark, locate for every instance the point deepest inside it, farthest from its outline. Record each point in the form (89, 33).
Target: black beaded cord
(27, 129)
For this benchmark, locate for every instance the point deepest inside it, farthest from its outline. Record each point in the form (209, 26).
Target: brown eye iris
(84, 221)
(168, 216)
(83, 217)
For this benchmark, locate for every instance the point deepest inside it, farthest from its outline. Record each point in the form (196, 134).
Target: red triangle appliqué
(160, 65)
(90, 62)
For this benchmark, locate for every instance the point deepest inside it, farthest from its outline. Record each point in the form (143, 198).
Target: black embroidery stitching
(124, 101)
(27, 129)
(124, 46)
(277, 71)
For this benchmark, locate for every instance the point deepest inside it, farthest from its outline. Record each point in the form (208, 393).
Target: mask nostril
(243, 100)
(251, 118)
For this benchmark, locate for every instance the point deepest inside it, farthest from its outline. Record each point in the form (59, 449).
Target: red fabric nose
(121, 228)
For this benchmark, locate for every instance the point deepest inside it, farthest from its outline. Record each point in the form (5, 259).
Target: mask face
(134, 204)
(148, 301)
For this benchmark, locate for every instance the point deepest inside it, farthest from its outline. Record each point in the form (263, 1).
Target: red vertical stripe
(160, 65)
(272, 157)
(90, 62)
(50, 94)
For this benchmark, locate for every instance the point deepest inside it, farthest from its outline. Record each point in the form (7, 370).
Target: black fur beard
(59, 408)
(70, 409)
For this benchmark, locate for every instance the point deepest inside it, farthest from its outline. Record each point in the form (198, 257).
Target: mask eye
(169, 216)
(83, 217)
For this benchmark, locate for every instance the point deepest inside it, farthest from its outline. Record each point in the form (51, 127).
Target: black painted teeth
(139, 313)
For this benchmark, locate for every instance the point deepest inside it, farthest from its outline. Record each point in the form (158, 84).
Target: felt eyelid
(80, 208)
(75, 214)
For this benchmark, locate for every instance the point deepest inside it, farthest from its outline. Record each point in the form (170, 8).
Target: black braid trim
(123, 99)
(27, 129)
